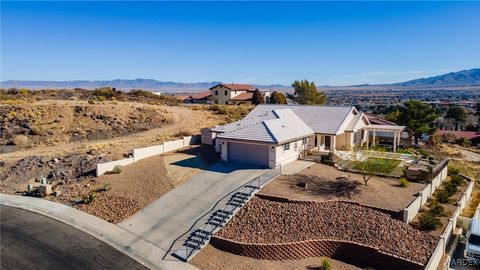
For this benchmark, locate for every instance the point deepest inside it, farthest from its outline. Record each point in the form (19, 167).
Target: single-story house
(234, 94)
(273, 134)
(200, 98)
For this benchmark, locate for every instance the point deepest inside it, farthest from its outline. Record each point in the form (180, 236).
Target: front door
(327, 142)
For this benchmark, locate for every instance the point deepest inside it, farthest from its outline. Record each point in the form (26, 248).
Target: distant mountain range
(461, 78)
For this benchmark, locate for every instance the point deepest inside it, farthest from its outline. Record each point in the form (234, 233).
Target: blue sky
(335, 43)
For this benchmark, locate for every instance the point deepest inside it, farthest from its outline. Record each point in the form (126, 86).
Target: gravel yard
(322, 184)
(266, 221)
(214, 259)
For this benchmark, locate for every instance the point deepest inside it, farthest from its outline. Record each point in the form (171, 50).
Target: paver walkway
(172, 215)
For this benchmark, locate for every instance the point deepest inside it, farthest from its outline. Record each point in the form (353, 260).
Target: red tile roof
(243, 96)
(236, 86)
(460, 134)
(182, 98)
(202, 95)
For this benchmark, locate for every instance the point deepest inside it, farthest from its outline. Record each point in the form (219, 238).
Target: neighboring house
(451, 135)
(200, 98)
(234, 94)
(271, 135)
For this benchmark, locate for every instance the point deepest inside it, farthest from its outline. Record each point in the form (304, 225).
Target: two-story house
(224, 93)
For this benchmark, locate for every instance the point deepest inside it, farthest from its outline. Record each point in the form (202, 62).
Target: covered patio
(384, 133)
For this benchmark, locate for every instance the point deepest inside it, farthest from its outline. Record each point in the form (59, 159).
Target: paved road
(34, 241)
(470, 156)
(169, 217)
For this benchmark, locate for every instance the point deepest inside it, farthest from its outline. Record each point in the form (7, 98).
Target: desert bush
(21, 141)
(404, 182)
(106, 187)
(117, 169)
(101, 98)
(463, 142)
(452, 170)
(428, 221)
(436, 208)
(456, 179)
(442, 196)
(450, 187)
(183, 133)
(12, 91)
(89, 198)
(23, 92)
(326, 265)
(91, 102)
(35, 130)
(232, 112)
(105, 92)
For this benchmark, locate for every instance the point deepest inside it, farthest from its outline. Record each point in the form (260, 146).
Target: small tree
(371, 166)
(306, 93)
(277, 98)
(257, 97)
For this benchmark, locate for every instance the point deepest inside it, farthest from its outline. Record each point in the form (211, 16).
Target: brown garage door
(251, 154)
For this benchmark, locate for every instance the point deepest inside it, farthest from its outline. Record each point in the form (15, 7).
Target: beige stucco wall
(221, 98)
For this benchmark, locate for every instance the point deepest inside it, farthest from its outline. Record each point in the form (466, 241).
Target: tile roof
(378, 120)
(243, 96)
(236, 86)
(460, 134)
(279, 126)
(322, 119)
(202, 95)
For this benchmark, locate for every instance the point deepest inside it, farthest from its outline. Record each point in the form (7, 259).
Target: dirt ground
(211, 258)
(322, 184)
(138, 185)
(55, 128)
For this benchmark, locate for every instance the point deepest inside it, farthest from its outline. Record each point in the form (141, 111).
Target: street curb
(137, 248)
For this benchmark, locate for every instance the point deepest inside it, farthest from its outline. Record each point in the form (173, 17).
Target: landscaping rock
(264, 221)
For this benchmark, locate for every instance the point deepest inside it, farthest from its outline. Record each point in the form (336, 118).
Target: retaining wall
(412, 209)
(448, 232)
(354, 253)
(145, 152)
(102, 168)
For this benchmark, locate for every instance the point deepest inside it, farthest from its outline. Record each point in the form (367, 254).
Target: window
(305, 141)
(216, 93)
(286, 147)
(226, 93)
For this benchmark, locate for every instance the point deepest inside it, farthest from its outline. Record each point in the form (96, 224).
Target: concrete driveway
(470, 156)
(169, 217)
(34, 241)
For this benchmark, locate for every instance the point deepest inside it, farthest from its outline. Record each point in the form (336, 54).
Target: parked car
(472, 248)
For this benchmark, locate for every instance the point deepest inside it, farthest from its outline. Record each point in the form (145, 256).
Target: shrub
(106, 187)
(456, 179)
(442, 196)
(436, 209)
(326, 265)
(91, 102)
(452, 170)
(428, 221)
(23, 92)
(89, 198)
(105, 92)
(20, 141)
(450, 187)
(36, 131)
(117, 169)
(404, 182)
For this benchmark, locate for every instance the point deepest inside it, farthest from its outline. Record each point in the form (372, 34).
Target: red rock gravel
(110, 207)
(266, 221)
